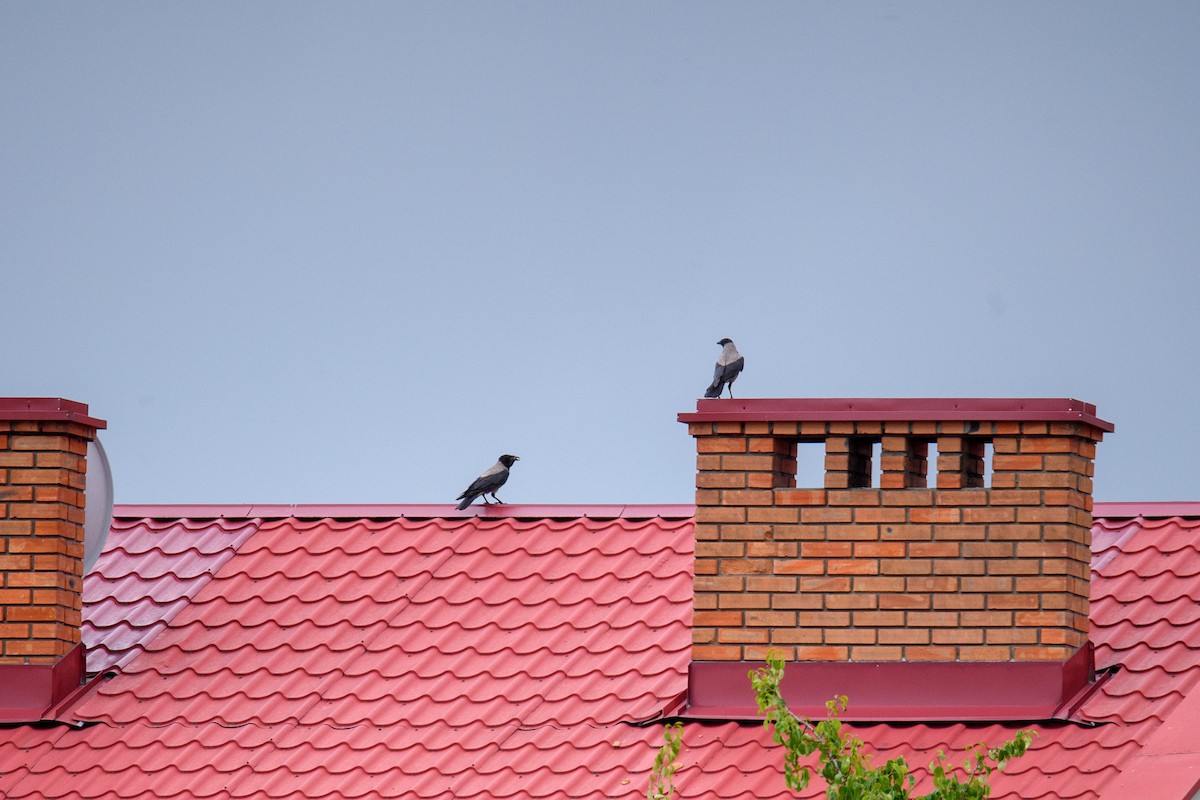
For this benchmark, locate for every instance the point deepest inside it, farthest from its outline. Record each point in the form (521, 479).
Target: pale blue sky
(351, 252)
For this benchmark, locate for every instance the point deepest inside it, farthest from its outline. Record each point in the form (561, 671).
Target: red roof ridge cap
(402, 510)
(1146, 509)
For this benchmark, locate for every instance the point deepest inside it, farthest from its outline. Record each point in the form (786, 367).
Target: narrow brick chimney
(872, 565)
(43, 449)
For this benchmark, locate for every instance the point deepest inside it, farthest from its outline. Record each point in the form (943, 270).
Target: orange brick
(987, 619)
(1019, 463)
(754, 463)
(904, 636)
(852, 532)
(1057, 549)
(849, 636)
(904, 601)
(824, 619)
(708, 514)
(744, 533)
(720, 549)
(844, 602)
(772, 549)
(852, 567)
(988, 514)
(746, 497)
(1010, 636)
(759, 652)
(742, 636)
(821, 653)
(932, 653)
(716, 653)
(880, 549)
(934, 549)
(1041, 514)
(825, 584)
(770, 583)
(826, 549)
(905, 566)
(959, 566)
(958, 602)
(933, 619)
(878, 619)
(8, 459)
(880, 515)
(826, 515)
(717, 618)
(721, 583)
(721, 480)
(29, 442)
(854, 497)
(924, 583)
(771, 619)
(795, 635)
(906, 533)
(796, 601)
(800, 497)
(941, 515)
(985, 653)
(867, 653)
(772, 514)
(745, 600)
(1042, 619)
(987, 550)
(799, 532)
(800, 567)
(745, 566)
(1036, 653)
(911, 498)
(767, 480)
(878, 584)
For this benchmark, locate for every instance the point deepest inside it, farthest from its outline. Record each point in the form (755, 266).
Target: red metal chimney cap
(48, 408)
(897, 409)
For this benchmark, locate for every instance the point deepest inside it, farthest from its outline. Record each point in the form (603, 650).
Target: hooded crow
(729, 364)
(487, 483)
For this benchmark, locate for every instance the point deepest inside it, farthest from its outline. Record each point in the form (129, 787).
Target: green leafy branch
(841, 762)
(662, 777)
(847, 770)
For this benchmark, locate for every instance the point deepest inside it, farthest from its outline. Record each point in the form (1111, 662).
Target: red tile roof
(386, 655)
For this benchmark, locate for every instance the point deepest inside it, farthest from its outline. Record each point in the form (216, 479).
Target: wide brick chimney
(872, 565)
(43, 449)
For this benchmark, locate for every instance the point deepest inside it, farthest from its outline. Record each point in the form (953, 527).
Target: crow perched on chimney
(487, 483)
(729, 364)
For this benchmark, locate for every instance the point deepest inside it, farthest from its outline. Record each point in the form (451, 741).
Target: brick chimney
(872, 565)
(43, 448)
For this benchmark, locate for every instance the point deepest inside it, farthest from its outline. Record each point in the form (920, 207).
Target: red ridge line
(1153, 509)
(405, 510)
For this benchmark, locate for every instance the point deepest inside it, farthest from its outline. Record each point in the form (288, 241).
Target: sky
(300, 252)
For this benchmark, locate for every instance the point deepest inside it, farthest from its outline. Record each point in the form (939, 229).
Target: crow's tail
(715, 389)
(467, 500)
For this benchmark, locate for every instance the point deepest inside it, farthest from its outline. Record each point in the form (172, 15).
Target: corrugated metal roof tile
(499, 657)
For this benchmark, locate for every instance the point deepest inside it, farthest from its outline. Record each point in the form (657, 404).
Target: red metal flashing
(914, 409)
(1150, 510)
(899, 691)
(402, 510)
(29, 691)
(48, 408)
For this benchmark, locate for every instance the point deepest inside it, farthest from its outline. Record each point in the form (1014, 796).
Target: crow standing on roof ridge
(729, 364)
(488, 483)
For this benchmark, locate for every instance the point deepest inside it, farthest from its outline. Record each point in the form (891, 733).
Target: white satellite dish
(98, 507)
